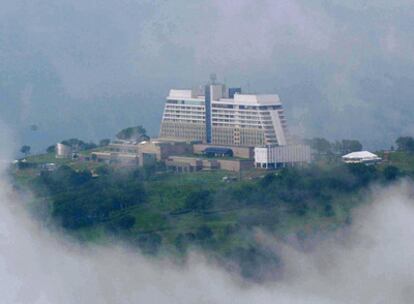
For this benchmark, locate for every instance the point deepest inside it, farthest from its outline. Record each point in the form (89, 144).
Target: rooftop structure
(218, 152)
(364, 157)
(237, 151)
(224, 117)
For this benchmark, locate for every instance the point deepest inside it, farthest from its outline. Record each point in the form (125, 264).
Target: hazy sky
(344, 69)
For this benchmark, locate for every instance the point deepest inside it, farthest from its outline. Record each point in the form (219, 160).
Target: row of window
(235, 111)
(183, 120)
(220, 136)
(182, 132)
(245, 107)
(196, 109)
(183, 115)
(186, 102)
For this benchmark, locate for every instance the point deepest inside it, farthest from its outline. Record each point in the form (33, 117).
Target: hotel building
(215, 115)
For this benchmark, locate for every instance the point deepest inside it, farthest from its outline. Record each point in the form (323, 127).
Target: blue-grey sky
(344, 69)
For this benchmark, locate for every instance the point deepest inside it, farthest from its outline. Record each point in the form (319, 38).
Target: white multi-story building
(224, 117)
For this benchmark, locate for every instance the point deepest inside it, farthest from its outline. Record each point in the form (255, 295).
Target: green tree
(204, 233)
(199, 200)
(51, 149)
(347, 146)
(391, 172)
(405, 143)
(180, 243)
(126, 222)
(267, 180)
(104, 142)
(364, 174)
(320, 145)
(150, 243)
(328, 210)
(79, 144)
(80, 200)
(137, 133)
(25, 150)
(73, 142)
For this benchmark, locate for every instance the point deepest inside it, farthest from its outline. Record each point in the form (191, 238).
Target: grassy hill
(162, 212)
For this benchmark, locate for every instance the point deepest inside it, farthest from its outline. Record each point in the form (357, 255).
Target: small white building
(273, 156)
(361, 157)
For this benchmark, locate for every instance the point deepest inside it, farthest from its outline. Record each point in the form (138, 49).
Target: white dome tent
(363, 157)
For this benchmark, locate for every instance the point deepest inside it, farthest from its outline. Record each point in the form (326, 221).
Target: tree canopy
(137, 133)
(323, 146)
(104, 142)
(78, 144)
(25, 150)
(405, 143)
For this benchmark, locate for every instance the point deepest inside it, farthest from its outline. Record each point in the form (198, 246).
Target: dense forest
(165, 212)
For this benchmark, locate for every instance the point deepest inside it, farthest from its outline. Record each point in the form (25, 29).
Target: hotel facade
(215, 115)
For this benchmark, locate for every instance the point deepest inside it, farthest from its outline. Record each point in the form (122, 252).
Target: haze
(88, 68)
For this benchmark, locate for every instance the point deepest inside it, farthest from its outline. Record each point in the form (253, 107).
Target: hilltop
(218, 211)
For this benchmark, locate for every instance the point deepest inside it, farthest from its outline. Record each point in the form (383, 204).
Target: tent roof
(360, 154)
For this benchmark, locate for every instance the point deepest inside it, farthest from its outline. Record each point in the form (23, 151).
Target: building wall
(124, 147)
(162, 150)
(211, 164)
(145, 152)
(183, 130)
(223, 136)
(129, 159)
(279, 127)
(251, 124)
(185, 164)
(236, 136)
(63, 151)
(251, 137)
(235, 165)
(276, 155)
(187, 110)
(177, 148)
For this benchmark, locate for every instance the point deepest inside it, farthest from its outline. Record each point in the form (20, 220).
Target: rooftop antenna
(213, 78)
